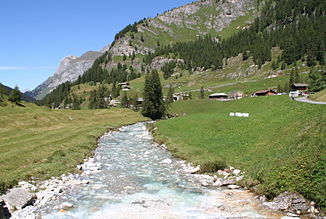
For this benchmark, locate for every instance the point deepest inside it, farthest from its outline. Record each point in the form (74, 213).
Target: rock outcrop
(18, 198)
(290, 202)
(69, 69)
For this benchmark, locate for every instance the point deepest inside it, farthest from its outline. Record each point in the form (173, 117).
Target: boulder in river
(66, 206)
(18, 198)
(289, 202)
(166, 161)
(227, 182)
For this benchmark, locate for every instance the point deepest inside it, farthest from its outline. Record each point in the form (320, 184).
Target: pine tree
(317, 80)
(2, 91)
(124, 100)
(153, 106)
(134, 102)
(202, 93)
(283, 66)
(75, 102)
(169, 98)
(279, 88)
(274, 65)
(15, 95)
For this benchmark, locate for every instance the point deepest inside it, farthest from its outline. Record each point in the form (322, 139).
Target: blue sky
(36, 34)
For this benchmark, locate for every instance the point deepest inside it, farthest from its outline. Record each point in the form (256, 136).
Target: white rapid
(133, 182)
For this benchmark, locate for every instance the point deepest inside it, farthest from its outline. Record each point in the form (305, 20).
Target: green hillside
(39, 142)
(281, 145)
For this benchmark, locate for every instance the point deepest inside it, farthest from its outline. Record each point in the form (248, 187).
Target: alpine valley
(236, 90)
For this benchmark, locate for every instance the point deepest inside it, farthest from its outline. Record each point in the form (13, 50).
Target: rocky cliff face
(182, 24)
(69, 69)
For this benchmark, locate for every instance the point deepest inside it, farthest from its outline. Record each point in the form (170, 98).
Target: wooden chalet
(218, 96)
(268, 92)
(299, 87)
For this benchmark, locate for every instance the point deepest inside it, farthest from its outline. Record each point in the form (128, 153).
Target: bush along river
(132, 177)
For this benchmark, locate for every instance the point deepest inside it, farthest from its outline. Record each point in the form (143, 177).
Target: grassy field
(38, 142)
(319, 97)
(281, 146)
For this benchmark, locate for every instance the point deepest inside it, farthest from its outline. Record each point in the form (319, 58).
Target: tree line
(296, 26)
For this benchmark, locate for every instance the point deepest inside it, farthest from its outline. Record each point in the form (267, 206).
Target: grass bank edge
(63, 159)
(302, 173)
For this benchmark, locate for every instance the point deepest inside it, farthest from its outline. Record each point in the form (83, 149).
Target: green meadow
(39, 142)
(281, 146)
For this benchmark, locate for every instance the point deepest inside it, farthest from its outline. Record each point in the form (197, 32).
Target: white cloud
(17, 68)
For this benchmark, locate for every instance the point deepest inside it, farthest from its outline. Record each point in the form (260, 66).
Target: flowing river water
(134, 183)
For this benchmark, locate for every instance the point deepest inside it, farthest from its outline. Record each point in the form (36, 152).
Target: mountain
(24, 97)
(210, 41)
(184, 23)
(69, 69)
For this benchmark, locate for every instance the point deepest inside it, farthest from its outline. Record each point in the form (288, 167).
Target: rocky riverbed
(131, 177)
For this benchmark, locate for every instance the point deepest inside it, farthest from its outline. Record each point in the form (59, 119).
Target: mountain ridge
(69, 69)
(183, 23)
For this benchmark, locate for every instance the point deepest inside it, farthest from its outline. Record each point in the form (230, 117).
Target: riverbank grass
(281, 145)
(38, 142)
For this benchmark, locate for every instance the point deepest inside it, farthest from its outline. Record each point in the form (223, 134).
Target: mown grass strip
(39, 142)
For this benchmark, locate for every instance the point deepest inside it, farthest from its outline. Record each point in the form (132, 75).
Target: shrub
(212, 166)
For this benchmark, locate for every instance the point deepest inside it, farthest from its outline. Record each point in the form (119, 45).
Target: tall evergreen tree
(124, 100)
(134, 102)
(2, 91)
(15, 95)
(153, 106)
(317, 80)
(169, 98)
(75, 102)
(202, 93)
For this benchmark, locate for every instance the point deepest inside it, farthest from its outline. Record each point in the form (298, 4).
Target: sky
(36, 34)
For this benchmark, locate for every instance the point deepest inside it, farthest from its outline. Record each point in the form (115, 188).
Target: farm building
(268, 92)
(299, 87)
(140, 100)
(124, 84)
(218, 96)
(236, 95)
(182, 96)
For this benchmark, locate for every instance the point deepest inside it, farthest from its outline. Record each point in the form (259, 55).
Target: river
(138, 179)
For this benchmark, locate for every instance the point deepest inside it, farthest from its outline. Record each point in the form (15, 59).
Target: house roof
(218, 94)
(264, 91)
(301, 85)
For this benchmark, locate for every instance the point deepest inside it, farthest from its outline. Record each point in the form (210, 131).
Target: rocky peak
(69, 69)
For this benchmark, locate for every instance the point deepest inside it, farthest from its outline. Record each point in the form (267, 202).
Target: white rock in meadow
(236, 172)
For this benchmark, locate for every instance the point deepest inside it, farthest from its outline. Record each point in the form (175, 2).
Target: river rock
(227, 182)
(166, 161)
(66, 205)
(217, 183)
(194, 170)
(289, 202)
(19, 198)
(234, 187)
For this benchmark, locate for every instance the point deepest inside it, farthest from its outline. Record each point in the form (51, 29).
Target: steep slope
(69, 69)
(181, 24)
